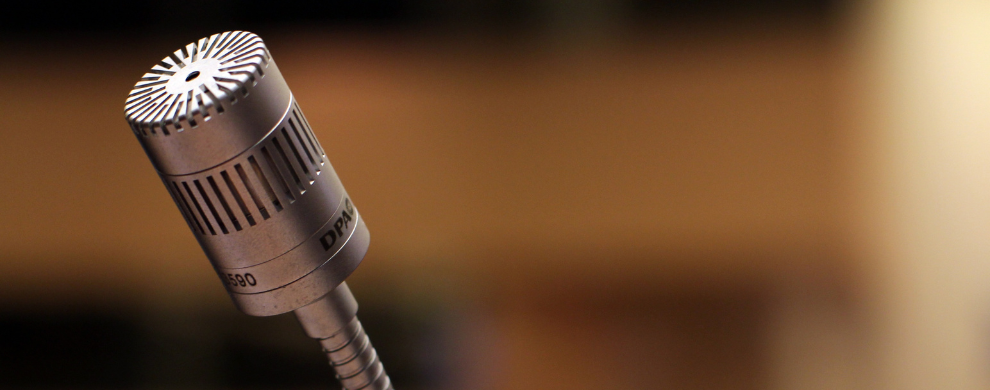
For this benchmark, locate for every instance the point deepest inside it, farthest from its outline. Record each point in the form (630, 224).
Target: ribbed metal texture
(355, 360)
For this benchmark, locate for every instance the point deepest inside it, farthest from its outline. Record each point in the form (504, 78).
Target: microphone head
(239, 159)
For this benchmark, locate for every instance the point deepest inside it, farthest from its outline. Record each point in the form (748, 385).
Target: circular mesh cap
(199, 80)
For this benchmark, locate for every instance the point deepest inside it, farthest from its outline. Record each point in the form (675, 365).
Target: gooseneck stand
(333, 321)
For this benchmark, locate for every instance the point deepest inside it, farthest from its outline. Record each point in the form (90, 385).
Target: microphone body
(253, 183)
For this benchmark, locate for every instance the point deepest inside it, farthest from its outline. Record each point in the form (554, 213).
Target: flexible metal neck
(333, 321)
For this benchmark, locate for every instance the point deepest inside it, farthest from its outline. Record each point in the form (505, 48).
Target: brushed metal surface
(245, 169)
(248, 175)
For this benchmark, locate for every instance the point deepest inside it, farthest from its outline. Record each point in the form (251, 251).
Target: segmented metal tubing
(333, 321)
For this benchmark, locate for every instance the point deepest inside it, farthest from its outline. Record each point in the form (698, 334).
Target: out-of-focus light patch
(926, 190)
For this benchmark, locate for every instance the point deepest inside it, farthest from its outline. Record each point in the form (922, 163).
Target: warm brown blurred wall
(620, 214)
(607, 195)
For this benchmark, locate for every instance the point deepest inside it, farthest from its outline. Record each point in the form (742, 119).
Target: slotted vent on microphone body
(215, 203)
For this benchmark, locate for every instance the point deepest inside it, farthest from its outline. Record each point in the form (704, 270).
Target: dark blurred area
(591, 194)
(77, 347)
(504, 16)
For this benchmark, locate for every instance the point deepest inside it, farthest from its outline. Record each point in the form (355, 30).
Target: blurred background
(588, 194)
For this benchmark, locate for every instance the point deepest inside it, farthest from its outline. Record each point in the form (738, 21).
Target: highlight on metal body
(233, 149)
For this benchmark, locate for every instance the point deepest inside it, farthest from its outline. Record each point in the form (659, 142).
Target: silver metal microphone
(241, 162)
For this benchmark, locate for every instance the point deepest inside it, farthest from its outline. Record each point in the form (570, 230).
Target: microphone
(241, 162)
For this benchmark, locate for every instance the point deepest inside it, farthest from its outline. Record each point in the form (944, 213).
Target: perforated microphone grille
(170, 96)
